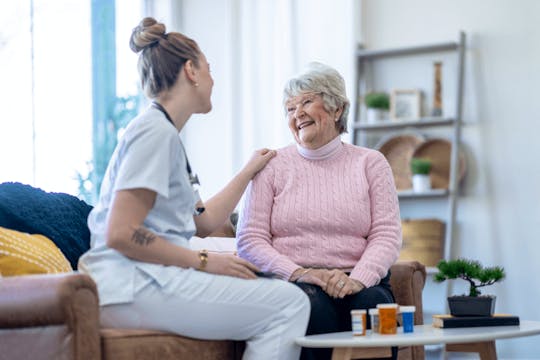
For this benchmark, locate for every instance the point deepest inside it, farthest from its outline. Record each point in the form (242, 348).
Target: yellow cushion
(22, 254)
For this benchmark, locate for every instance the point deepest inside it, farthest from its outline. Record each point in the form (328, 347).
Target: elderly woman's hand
(317, 277)
(258, 160)
(340, 285)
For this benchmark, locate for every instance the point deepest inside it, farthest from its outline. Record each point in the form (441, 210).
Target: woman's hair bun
(147, 33)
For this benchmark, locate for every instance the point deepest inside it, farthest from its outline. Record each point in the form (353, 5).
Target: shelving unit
(448, 125)
(364, 132)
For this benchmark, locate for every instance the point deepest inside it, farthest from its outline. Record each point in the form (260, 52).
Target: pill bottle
(387, 318)
(374, 318)
(407, 314)
(358, 320)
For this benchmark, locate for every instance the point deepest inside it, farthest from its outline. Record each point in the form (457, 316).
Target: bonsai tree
(377, 100)
(471, 271)
(420, 166)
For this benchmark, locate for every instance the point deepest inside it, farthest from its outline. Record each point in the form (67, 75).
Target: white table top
(422, 335)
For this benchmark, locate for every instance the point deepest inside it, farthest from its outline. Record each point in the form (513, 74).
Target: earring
(195, 84)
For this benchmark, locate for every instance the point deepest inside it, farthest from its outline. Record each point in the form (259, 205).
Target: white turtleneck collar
(322, 153)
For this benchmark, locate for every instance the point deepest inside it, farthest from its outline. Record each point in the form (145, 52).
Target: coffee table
(477, 339)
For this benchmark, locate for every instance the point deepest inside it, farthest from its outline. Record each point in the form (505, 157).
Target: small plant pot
(421, 183)
(471, 305)
(376, 115)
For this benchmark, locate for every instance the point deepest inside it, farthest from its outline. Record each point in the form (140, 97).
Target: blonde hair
(161, 55)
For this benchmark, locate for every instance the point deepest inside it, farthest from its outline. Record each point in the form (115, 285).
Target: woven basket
(423, 240)
(398, 150)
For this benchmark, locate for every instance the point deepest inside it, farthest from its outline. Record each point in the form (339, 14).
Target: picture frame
(405, 104)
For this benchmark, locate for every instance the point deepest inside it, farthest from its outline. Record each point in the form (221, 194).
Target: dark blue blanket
(60, 217)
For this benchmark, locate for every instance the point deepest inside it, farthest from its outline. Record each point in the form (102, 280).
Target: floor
(436, 353)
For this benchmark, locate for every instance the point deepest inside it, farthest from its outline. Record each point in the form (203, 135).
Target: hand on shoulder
(258, 161)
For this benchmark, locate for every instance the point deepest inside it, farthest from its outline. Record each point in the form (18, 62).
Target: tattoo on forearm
(143, 237)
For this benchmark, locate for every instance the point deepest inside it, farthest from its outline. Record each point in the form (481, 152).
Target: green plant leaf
(471, 271)
(420, 166)
(377, 100)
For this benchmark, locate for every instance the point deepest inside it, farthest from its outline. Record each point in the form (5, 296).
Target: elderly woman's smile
(304, 124)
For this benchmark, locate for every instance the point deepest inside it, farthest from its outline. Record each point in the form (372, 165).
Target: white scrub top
(149, 155)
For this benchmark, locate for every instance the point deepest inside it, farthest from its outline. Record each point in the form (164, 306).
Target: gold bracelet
(203, 257)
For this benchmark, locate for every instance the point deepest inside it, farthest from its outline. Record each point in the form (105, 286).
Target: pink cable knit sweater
(335, 207)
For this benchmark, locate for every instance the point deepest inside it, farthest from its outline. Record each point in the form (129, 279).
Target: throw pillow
(23, 254)
(58, 216)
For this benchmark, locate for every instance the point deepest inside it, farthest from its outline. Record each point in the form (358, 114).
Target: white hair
(325, 80)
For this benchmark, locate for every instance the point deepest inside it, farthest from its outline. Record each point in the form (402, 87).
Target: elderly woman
(324, 214)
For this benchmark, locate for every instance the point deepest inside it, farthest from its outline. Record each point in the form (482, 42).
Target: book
(448, 321)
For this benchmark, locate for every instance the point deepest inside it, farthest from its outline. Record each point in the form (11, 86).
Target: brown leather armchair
(57, 317)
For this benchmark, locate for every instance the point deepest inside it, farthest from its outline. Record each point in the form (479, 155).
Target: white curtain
(45, 98)
(253, 48)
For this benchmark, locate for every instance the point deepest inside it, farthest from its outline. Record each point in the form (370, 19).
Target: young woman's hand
(258, 160)
(231, 265)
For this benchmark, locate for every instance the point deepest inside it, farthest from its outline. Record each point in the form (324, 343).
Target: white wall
(253, 47)
(498, 212)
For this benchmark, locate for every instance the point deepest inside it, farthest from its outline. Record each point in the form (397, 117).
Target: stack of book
(449, 321)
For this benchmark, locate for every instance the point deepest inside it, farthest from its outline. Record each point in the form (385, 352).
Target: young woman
(147, 276)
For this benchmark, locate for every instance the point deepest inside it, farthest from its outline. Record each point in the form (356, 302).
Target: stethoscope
(193, 178)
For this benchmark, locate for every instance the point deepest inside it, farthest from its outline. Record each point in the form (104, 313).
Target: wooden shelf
(420, 122)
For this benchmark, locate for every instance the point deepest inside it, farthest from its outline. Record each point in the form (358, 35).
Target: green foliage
(377, 100)
(471, 271)
(420, 166)
(123, 110)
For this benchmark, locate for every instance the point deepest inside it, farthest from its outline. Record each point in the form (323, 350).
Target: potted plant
(377, 104)
(420, 168)
(477, 276)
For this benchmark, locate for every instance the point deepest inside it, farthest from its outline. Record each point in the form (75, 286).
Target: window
(46, 117)
(45, 132)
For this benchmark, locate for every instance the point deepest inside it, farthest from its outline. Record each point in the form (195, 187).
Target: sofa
(56, 316)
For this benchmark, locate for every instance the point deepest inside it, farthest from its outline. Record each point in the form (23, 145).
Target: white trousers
(268, 314)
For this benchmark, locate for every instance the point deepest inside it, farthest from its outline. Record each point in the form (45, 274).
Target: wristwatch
(203, 257)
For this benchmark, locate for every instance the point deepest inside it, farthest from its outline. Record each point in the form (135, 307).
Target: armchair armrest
(407, 281)
(43, 300)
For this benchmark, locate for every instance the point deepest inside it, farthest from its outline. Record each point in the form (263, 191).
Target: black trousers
(333, 315)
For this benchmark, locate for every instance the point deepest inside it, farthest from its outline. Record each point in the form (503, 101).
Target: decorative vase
(471, 305)
(421, 183)
(437, 90)
(375, 115)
